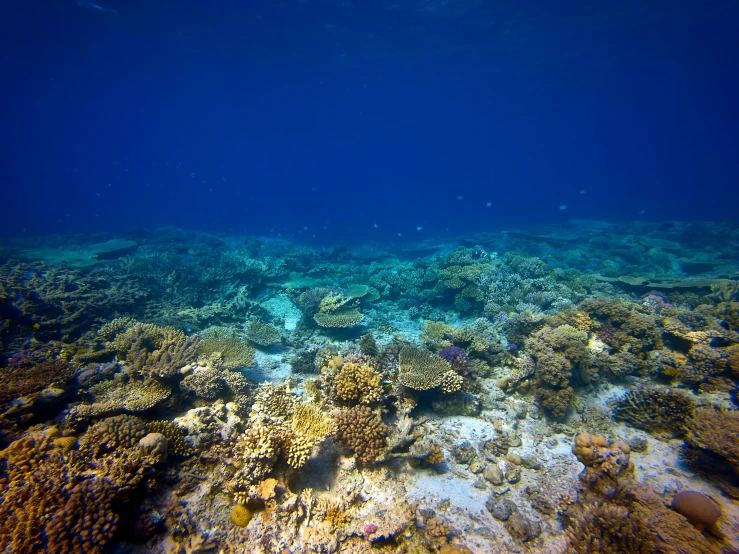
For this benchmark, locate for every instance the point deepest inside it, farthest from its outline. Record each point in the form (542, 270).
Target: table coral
(232, 353)
(341, 318)
(263, 334)
(420, 369)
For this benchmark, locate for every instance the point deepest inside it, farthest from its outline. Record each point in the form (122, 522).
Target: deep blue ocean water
(320, 119)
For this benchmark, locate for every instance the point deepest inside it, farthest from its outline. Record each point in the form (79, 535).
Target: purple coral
(454, 355)
(369, 528)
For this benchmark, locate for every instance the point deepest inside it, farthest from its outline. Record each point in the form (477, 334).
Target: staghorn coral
(363, 432)
(358, 383)
(226, 350)
(263, 334)
(655, 410)
(46, 506)
(339, 319)
(153, 350)
(420, 369)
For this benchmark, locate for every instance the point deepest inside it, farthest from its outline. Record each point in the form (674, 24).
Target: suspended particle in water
(582, 191)
(488, 204)
(419, 228)
(563, 207)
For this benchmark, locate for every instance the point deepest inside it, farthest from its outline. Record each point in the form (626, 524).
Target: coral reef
(363, 432)
(655, 410)
(263, 334)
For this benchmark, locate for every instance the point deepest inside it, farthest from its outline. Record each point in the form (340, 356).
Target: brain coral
(263, 334)
(358, 383)
(420, 369)
(362, 431)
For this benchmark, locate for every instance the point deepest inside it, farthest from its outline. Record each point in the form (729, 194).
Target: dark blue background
(345, 114)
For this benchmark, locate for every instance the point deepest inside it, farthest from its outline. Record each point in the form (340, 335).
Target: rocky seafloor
(565, 388)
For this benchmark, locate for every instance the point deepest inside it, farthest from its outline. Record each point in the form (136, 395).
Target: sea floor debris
(563, 389)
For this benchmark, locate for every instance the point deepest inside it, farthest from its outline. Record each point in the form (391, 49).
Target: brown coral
(655, 410)
(46, 507)
(30, 375)
(363, 432)
(716, 431)
(177, 445)
(420, 369)
(341, 318)
(358, 383)
(222, 346)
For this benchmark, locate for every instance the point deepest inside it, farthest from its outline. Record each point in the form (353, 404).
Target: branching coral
(715, 431)
(46, 506)
(358, 383)
(26, 374)
(654, 410)
(206, 383)
(309, 421)
(111, 434)
(363, 432)
(263, 334)
(150, 349)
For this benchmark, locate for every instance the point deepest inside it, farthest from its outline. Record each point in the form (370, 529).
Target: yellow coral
(310, 422)
(359, 383)
(451, 382)
(241, 515)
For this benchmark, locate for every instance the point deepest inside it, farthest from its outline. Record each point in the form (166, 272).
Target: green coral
(263, 334)
(341, 318)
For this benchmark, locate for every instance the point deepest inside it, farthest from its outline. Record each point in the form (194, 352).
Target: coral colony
(528, 394)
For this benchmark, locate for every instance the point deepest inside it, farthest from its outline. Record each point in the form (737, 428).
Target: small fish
(376, 225)
(563, 207)
(419, 228)
(400, 234)
(488, 204)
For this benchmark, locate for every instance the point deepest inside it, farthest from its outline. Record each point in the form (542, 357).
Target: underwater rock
(701, 510)
(501, 508)
(494, 474)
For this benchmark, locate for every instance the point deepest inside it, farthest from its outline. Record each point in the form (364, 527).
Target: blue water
(365, 119)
